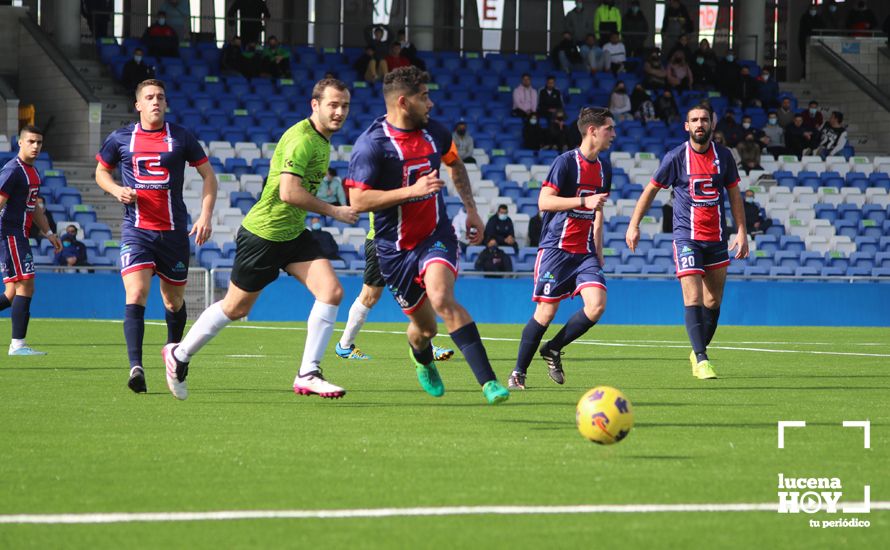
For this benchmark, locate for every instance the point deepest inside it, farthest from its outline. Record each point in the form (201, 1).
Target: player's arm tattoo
(462, 182)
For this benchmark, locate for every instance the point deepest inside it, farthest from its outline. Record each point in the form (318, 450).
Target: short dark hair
(404, 81)
(592, 116)
(504, 206)
(771, 112)
(150, 82)
(325, 83)
(813, 102)
(30, 129)
(838, 115)
(332, 171)
(703, 106)
(526, 75)
(551, 77)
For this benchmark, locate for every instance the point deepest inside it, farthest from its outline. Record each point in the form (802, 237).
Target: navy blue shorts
(164, 252)
(695, 257)
(403, 270)
(560, 274)
(16, 260)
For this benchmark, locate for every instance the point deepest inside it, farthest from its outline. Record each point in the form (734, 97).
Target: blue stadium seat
(791, 243)
(807, 271)
(98, 232)
(206, 253)
(779, 271)
(866, 245)
(832, 272)
(862, 259)
(880, 272)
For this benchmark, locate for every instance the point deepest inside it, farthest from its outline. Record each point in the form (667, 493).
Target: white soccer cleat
(176, 372)
(314, 383)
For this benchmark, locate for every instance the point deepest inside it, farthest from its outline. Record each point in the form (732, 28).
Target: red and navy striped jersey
(700, 181)
(386, 158)
(573, 175)
(19, 183)
(153, 163)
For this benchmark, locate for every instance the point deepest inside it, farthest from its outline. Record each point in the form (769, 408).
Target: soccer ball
(604, 415)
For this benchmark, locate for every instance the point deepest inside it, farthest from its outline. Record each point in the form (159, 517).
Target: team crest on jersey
(438, 246)
(548, 276)
(686, 250)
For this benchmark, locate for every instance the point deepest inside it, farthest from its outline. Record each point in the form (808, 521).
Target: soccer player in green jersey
(273, 237)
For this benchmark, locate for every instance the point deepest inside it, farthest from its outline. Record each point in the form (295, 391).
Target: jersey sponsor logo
(702, 190)
(439, 246)
(32, 199)
(412, 171)
(148, 171)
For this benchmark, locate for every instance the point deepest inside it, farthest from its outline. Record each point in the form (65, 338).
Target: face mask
(700, 60)
(749, 199)
(162, 21)
(832, 9)
(730, 58)
(66, 244)
(621, 91)
(137, 58)
(316, 226)
(812, 13)
(502, 217)
(765, 76)
(462, 131)
(634, 10)
(812, 112)
(746, 125)
(533, 120)
(773, 121)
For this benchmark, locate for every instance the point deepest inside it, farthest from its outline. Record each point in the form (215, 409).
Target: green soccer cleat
(705, 371)
(495, 393)
(694, 362)
(428, 377)
(442, 354)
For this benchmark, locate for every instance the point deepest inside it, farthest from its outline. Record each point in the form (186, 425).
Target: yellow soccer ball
(604, 415)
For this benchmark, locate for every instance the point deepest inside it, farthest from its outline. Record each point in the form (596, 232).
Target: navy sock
(134, 330)
(424, 356)
(4, 302)
(469, 342)
(21, 314)
(531, 339)
(696, 331)
(710, 317)
(574, 328)
(175, 324)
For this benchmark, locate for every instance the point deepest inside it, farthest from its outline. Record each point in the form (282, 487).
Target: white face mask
(137, 58)
(746, 125)
(773, 121)
(162, 21)
(765, 76)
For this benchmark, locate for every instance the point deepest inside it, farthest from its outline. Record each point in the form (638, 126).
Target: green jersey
(301, 151)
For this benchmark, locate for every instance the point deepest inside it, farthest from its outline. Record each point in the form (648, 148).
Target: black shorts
(373, 277)
(258, 261)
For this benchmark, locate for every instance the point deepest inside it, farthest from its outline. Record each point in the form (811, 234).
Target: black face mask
(461, 131)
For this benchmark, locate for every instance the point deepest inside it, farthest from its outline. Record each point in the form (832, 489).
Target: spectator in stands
(325, 241)
(377, 38)
(593, 56)
(861, 18)
(98, 14)
(579, 21)
(276, 59)
(409, 51)
(535, 225)
(368, 68)
(136, 70)
(728, 71)
(566, 55)
(559, 136)
(330, 189)
(573, 135)
(813, 116)
(654, 75)
(641, 104)
(707, 53)
(774, 132)
(178, 17)
(676, 23)
(810, 20)
(395, 59)
(667, 214)
(463, 141)
(500, 228)
(533, 135)
(459, 223)
(666, 107)
(702, 73)
(785, 112)
(635, 29)
(683, 46)
(606, 20)
(748, 89)
(525, 98)
(679, 75)
(799, 136)
(755, 217)
(616, 55)
(759, 136)
(73, 251)
(720, 139)
(549, 100)
(731, 129)
(493, 260)
(830, 18)
(232, 60)
(834, 136)
(767, 90)
(251, 61)
(35, 230)
(160, 38)
(749, 152)
(252, 14)
(619, 103)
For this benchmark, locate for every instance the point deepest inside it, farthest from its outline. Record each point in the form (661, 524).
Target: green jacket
(607, 18)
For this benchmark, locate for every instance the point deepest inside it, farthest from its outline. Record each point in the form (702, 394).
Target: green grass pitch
(74, 439)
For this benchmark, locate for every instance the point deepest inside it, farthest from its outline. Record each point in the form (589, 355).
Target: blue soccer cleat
(351, 352)
(25, 350)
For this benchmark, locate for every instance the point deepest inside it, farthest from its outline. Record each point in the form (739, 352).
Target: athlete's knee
(173, 302)
(443, 302)
(137, 294)
(331, 294)
(544, 315)
(595, 311)
(234, 309)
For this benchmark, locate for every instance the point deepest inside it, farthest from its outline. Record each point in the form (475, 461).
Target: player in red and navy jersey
(151, 155)
(19, 185)
(701, 173)
(394, 172)
(570, 253)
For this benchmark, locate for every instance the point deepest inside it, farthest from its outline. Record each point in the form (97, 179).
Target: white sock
(208, 325)
(17, 343)
(358, 313)
(320, 326)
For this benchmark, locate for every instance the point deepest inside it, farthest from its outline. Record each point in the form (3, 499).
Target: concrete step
(89, 68)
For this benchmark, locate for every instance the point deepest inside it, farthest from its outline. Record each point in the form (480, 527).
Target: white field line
(228, 515)
(618, 344)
